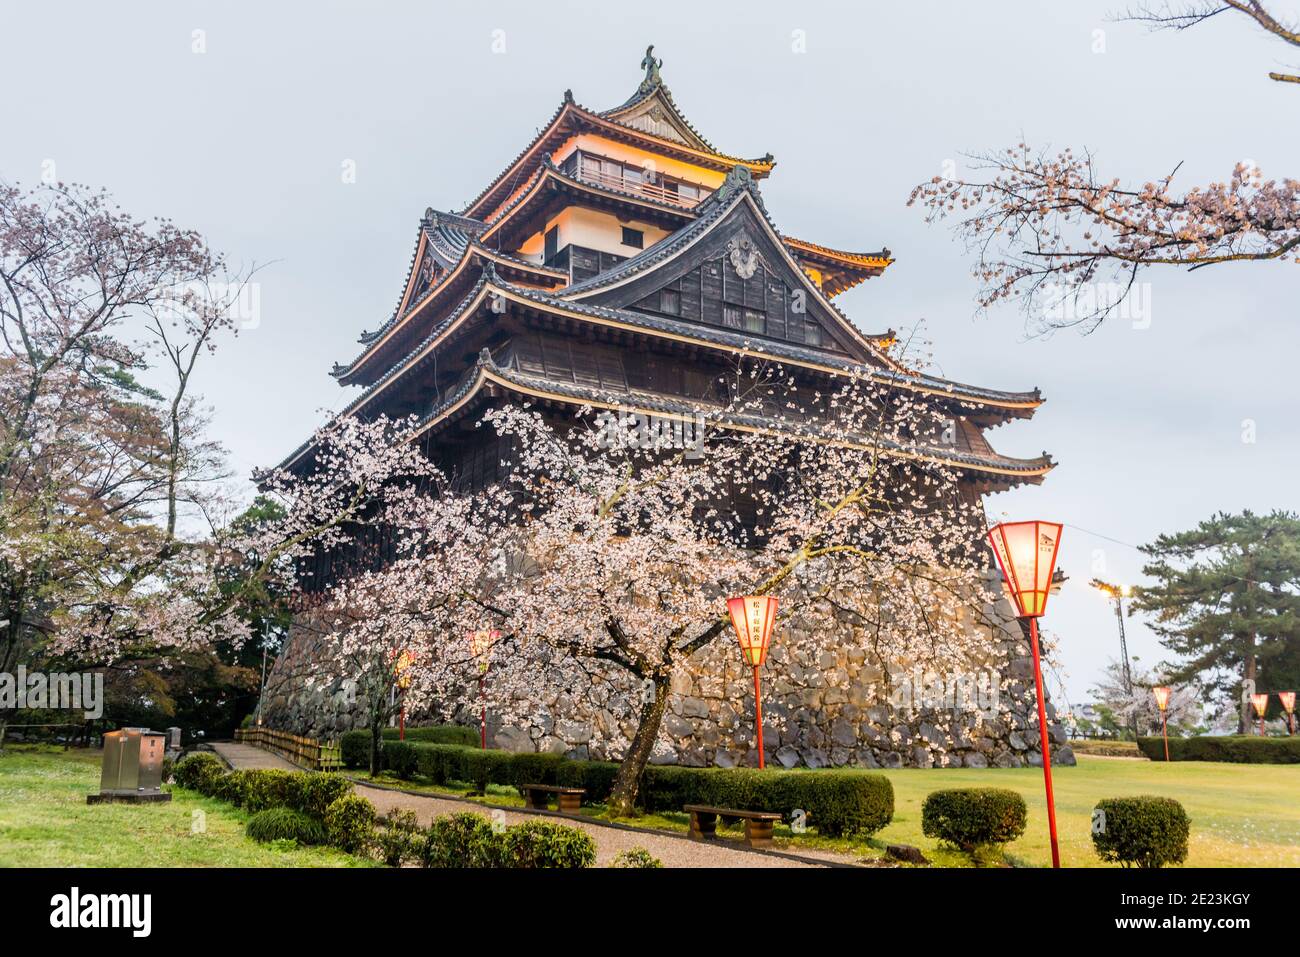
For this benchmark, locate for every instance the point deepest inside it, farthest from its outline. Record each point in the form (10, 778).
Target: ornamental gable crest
(743, 256)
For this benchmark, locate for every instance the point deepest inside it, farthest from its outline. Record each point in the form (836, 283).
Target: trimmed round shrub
(350, 823)
(544, 844)
(399, 839)
(973, 818)
(317, 791)
(285, 824)
(198, 771)
(636, 857)
(1144, 831)
(461, 840)
(262, 788)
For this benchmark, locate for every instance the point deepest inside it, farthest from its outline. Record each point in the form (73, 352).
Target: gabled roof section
(738, 196)
(486, 373)
(651, 108)
(420, 296)
(628, 123)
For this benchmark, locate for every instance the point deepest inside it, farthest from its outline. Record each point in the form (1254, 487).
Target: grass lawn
(45, 822)
(1242, 814)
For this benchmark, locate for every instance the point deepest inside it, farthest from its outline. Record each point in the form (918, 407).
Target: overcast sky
(242, 132)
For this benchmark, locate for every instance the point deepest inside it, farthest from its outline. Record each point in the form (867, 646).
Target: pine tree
(1227, 603)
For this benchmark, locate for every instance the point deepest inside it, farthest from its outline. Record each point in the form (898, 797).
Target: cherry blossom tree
(1068, 242)
(1135, 705)
(103, 449)
(618, 556)
(604, 560)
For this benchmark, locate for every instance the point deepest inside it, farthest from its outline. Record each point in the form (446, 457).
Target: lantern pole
(1045, 745)
(758, 718)
(482, 721)
(1164, 731)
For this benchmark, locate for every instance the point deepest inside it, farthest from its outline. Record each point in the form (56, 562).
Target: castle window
(812, 334)
(731, 316)
(551, 244)
(670, 302)
(634, 238)
(755, 321)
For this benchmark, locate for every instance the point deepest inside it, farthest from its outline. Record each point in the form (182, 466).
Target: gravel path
(247, 756)
(610, 840)
(673, 851)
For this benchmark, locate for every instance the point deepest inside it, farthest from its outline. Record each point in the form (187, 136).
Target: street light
(1260, 703)
(1117, 594)
(752, 616)
(480, 643)
(1288, 705)
(1026, 553)
(1162, 702)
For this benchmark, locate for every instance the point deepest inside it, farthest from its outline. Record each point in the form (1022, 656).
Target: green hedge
(1238, 749)
(441, 763)
(836, 802)
(1142, 831)
(971, 818)
(259, 789)
(355, 745)
(434, 734)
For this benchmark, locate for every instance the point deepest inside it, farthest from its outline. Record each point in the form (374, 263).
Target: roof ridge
(792, 350)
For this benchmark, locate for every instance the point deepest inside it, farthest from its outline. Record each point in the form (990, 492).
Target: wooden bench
(758, 824)
(568, 799)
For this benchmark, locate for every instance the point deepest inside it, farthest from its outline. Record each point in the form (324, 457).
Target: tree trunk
(1248, 684)
(376, 735)
(628, 781)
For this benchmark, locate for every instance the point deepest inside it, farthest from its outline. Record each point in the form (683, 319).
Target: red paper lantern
(480, 644)
(1026, 553)
(753, 617)
(1162, 702)
(1288, 705)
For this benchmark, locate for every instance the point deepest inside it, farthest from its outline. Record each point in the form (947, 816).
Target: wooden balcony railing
(630, 185)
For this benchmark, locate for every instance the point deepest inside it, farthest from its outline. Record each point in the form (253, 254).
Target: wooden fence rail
(305, 752)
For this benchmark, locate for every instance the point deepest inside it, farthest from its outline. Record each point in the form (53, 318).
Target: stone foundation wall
(820, 709)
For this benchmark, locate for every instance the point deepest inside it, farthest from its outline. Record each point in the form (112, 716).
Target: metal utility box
(132, 768)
